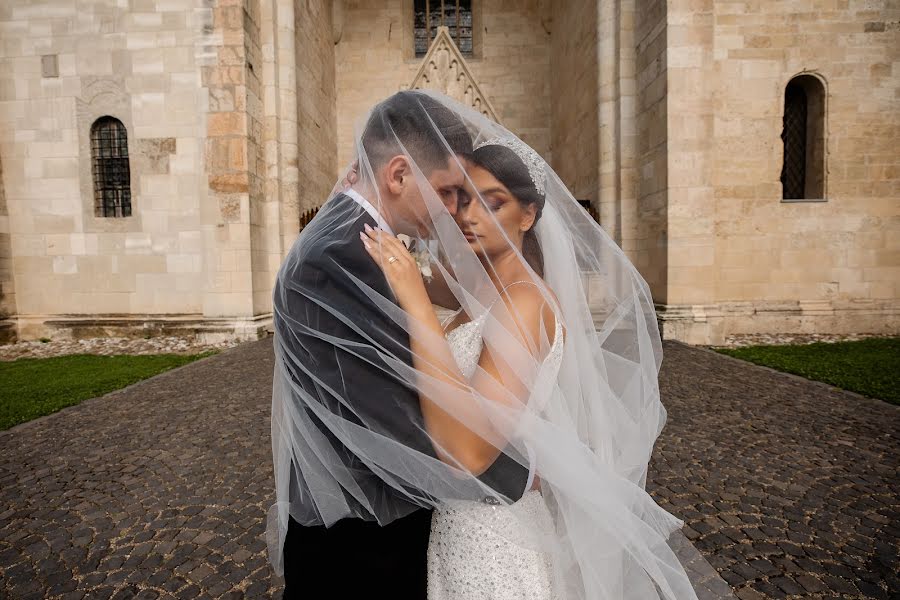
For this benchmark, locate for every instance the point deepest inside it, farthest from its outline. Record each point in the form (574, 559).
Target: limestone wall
(574, 117)
(317, 113)
(643, 162)
(140, 66)
(847, 247)
(740, 257)
(7, 283)
(689, 117)
(374, 59)
(239, 113)
(265, 242)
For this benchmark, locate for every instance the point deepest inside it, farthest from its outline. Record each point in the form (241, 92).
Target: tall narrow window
(803, 172)
(112, 175)
(456, 15)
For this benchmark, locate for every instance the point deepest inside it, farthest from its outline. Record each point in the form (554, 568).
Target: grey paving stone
(787, 487)
(805, 472)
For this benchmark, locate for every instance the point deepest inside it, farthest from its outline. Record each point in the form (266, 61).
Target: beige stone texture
(665, 114)
(729, 64)
(67, 260)
(318, 102)
(7, 281)
(574, 123)
(644, 231)
(373, 60)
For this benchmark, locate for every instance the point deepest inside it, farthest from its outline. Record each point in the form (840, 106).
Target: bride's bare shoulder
(528, 292)
(532, 305)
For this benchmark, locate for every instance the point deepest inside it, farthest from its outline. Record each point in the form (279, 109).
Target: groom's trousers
(355, 559)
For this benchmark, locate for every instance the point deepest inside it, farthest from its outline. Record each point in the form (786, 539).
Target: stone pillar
(280, 118)
(316, 112)
(280, 130)
(231, 162)
(574, 91)
(609, 52)
(645, 219)
(257, 88)
(7, 283)
(690, 244)
(617, 122)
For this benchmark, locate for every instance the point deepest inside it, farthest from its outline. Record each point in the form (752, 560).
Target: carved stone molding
(444, 70)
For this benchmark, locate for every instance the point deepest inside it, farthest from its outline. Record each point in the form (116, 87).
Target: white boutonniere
(422, 257)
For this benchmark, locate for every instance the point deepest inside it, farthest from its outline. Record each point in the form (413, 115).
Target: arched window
(803, 172)
(456, 15)
(109, 162)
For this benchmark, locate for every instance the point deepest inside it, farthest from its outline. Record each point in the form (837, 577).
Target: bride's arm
(454, 409)
(460, 420)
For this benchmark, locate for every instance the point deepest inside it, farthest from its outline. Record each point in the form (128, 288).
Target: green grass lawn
(33, 387)
(869, 367)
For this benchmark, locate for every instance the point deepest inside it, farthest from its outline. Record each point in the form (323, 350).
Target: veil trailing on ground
(586, 432)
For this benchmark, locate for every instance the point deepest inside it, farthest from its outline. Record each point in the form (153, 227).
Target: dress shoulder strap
(511, 285)
(558, 325)
(528, 281)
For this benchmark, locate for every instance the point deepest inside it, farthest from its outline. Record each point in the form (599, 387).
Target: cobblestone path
(160, 490)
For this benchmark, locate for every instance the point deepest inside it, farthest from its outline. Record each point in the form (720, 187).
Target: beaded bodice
(466, 345)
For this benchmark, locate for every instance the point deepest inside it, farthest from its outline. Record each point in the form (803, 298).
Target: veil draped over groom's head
(586, 432)
(416, 123)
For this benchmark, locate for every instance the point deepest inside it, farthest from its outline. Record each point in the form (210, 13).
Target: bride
(539, 396)
(497, 213)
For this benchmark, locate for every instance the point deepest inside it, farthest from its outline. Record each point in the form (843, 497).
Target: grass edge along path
(870, 367)
(35, 387)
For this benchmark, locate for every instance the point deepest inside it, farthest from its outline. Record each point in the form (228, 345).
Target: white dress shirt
(359, 199)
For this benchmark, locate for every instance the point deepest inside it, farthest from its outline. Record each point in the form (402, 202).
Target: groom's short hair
(429, 131)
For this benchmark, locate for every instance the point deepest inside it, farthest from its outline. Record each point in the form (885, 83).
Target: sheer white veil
(587, 431)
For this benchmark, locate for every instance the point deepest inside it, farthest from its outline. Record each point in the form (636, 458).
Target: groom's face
(446, 183)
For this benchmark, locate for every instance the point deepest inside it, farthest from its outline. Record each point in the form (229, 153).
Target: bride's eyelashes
(494, 204)
(492, 199)
(489, 204)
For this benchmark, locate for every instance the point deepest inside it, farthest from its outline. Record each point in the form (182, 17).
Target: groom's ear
(398, 172)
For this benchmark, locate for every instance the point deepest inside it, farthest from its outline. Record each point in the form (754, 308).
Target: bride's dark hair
(508, 168)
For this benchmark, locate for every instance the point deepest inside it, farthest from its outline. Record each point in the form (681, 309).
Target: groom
(356, 558)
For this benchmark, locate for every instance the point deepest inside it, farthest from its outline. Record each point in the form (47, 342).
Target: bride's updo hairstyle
(504, 164)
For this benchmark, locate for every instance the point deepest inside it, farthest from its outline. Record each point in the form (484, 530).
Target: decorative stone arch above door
(444, 70)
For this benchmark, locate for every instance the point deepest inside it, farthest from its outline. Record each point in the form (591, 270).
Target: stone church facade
(157, 156)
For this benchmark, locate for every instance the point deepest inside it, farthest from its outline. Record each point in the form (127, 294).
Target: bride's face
(489, 216)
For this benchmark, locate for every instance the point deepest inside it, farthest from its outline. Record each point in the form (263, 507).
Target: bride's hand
(399, 267)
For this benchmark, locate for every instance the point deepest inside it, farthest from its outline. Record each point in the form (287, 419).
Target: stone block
(226, 123)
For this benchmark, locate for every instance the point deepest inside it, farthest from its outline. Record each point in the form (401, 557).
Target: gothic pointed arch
(444, 70)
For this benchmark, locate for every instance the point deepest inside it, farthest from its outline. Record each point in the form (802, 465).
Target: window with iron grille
(803, 135)
(793, 173)
(456, 15)
(111, 172)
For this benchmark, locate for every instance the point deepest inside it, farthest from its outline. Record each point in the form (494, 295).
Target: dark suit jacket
(353, 555)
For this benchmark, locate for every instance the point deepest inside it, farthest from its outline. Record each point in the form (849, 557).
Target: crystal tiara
(526, 154)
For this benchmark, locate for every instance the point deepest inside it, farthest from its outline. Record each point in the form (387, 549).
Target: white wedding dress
(473, 553)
